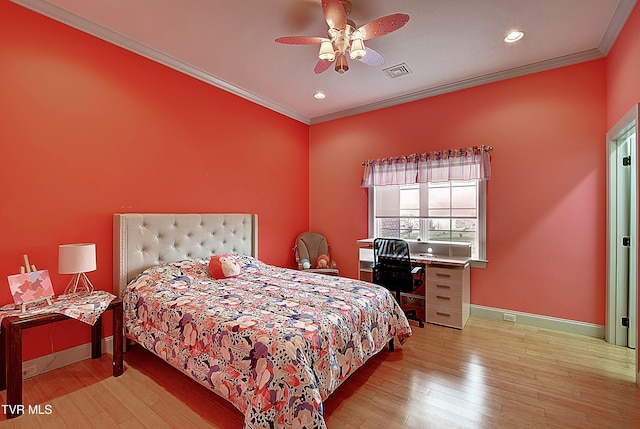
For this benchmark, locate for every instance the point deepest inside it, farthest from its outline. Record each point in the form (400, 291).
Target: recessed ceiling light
(319, 95)
(513, 36)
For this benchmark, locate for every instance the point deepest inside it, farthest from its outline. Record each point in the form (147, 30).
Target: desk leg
(14, 370)
(118, 340)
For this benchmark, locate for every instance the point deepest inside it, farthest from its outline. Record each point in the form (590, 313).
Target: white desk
(447, 289)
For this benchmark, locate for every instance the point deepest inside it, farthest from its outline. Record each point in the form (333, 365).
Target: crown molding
(619, 18)
(553, 63)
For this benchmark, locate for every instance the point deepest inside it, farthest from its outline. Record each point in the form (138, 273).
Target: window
(438, 211)
(432, 196)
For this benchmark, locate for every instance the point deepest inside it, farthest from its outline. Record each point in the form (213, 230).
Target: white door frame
(629, 120)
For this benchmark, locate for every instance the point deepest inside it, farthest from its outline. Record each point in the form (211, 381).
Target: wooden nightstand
(11, 349)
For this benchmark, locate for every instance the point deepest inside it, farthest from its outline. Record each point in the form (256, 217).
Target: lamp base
(79, 285)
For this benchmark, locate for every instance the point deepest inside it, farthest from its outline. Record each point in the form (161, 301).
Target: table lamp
(77, 259)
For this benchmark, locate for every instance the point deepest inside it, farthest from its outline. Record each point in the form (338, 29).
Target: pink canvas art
(27, 287)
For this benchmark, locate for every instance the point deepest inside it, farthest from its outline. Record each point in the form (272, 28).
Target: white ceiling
(447, 44)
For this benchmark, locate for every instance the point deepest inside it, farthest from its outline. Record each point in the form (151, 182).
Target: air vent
(397, 70)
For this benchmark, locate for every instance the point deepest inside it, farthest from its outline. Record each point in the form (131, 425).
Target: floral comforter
(274, 342)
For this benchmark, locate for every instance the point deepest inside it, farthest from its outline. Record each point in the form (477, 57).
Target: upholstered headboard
(141, 240)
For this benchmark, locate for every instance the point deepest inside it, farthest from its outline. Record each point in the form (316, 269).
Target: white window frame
(479, 257)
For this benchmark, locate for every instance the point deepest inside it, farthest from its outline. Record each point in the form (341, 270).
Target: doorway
(622, 232)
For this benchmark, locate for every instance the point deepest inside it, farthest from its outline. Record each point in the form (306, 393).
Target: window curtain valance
(440, 166)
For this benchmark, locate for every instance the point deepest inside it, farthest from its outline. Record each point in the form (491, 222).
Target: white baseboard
(546, 322)
(56, 360)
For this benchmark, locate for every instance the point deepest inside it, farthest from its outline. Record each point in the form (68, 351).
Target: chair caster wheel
(420, 324)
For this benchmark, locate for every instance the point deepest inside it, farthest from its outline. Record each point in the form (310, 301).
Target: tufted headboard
(141, 240)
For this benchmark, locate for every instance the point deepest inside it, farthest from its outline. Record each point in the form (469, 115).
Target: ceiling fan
(344, 38)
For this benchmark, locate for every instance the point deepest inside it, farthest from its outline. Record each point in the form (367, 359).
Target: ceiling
(447, 45)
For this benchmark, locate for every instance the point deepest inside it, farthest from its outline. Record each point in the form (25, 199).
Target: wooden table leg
(3, 358)
(118, 340)
(13, 351)
(96, 338)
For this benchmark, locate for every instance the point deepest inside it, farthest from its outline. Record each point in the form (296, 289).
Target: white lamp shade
(326, 51)
(76, 258)
(357, 49)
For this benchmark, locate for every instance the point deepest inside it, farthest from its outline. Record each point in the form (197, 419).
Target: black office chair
(392, 269)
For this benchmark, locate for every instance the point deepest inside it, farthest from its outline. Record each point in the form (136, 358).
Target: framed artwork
(30, 287)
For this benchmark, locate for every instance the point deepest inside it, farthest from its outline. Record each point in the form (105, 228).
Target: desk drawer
(444, 299)
(366, 254)
(442, 273)
(444, 316)
(443, 286)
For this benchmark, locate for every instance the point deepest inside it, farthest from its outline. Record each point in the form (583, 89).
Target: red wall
(88, 129)
(623, 71)
(545, 200)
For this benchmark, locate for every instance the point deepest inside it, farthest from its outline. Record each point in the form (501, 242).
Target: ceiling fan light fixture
(343, 36)
(513, 36)
(341, 64)
(357, 50)
(326, 51)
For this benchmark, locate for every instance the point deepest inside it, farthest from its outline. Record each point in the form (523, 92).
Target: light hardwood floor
(492, 374)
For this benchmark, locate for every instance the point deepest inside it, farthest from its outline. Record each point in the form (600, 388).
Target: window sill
(478, 263)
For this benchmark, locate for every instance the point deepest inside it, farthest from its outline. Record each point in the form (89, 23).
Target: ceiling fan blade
(334, 14)
(384, 25)
(301, 40)
(321, 66)
(372, 58)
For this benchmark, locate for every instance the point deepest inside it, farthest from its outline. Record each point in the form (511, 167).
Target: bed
(274, 342)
